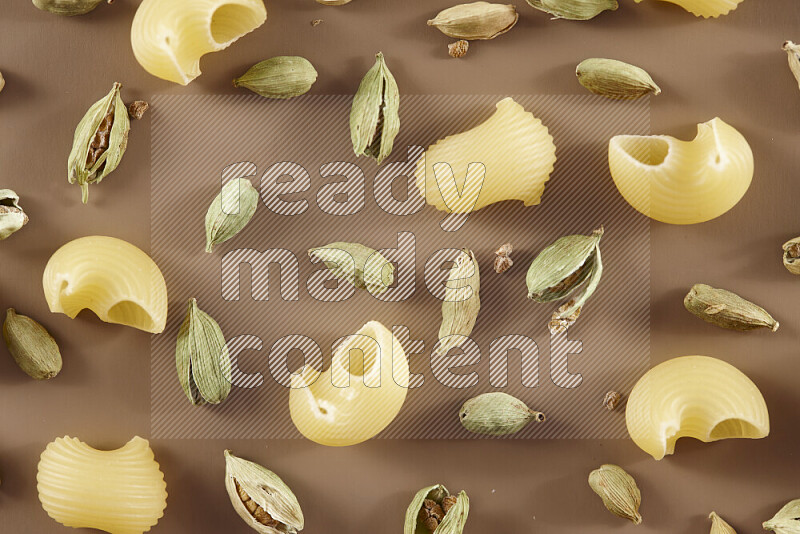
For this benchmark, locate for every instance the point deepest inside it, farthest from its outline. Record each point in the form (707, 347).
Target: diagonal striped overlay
(196, 137)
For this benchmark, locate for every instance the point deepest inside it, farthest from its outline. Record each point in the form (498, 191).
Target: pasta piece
(121, 491)
(109, 276)
(508, 157)
(170, 36)
(706, 8)
(358, 396)
(694, 396)
(683, 182)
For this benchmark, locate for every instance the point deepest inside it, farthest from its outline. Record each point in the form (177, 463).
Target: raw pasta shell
(706, 8)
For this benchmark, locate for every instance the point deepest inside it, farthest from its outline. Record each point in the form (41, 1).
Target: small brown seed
(137, 109)
(611, 400)
(502, 261)
(458, 48)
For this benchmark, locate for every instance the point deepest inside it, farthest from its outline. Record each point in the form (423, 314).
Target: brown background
(732, 67)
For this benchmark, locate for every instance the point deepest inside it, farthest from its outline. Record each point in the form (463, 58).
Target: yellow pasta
(170, 36)
(683, 182)
(706, 8)
(358, 396)
(510, 156)
(694, 396)
(121, 491)
(109, 276)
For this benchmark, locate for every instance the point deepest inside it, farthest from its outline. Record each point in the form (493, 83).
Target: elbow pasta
(706, 8)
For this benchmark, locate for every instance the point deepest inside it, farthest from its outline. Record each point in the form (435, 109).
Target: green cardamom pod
(31, 346)
(101, 138)
(359, 265)
(618, 490)
(791, 255)
(374, 117)
(12, 218)
(615, 79)
(435, 510)
(726, 309)
(202, 359)
(68, 8)
(497, 414)
(230, 211)
(787, 520)
(478, 20)
(261, 498)
(279, 77)
(574, 9)
(462, 302)
(719, 525)
(793, 50)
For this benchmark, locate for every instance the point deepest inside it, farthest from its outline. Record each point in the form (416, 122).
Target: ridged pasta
(120, 491)
(170, 36)
(706, 8)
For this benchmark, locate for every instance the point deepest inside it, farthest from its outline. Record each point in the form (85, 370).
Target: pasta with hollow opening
(706, 8)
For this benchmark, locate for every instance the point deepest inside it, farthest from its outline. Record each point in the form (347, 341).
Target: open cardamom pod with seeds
(101, 138)
(791, 255)
(618, 490)
(475, 21)
(719, 525)
(615, 79)
(435, 510)
(12, 218)
(787, 520)
(462, 302)
(279, 77)
(726, 309)
(359, 265)
(230, 211)
(374, 117)
(574, 9)
(69, 8)
(793, 50)
(31, 346)
(497, 414)
(261, 498)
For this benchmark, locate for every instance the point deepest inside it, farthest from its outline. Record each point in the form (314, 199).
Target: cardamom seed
(497, 414)
(279, 77)
(791, 255)
(793, 50)
(558, 323)
(458, 49)
(12, 218)
(574, 9)
(502, 260)
(261, 498)
(787, 520)
(68, 8)
(359, 265)
(476, 21)
(611, 400)
(719, 525)
(202, 359)
(137, 109)
(101, 138)
(618, 490)
(31, 346)
(615, 79)
(230, 211)
(374, 117)
(726, 309)
(434, 509)
(462, 302)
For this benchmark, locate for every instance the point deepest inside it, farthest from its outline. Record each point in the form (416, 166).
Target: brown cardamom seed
(726, 309)
(137, 109)
(31, 346)
(458, 49)
(611, 400)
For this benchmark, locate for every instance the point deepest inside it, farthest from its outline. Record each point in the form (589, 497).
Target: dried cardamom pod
(202, 359)
(100, 141)
(497, 414)
(230, 211)
(462, 302)
(68, 8)
(787, 520)
(31, 346)
(618, 490)
(333, 2)
(726, 309)
(458, 49)
(793, 50)
(719, 525)
(476, 21)
(2, 82)
(574, 9)
(615, 79)
(279, 77)
(361, 266)
(374, 117)
(561, 268)
(791, 255)
(261, 498)
(433, 509)
(502, 260)
(12, 218)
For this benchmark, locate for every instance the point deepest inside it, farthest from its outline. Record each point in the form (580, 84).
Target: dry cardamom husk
(31, 346)
(202, 359)
(726, 309)
(615, 79)
(12, 217)
(618, 490)
(462, 302)
(791, 255)
(359, 265)
(574, 9)
(68, 8)
(101, 138)
(497, 414)
(279, 77)
(787, 520)
(719, 525)
(374, 117)
(793, 50)
(435, 510)
(476, 21)
(230, 211)
(261, 498)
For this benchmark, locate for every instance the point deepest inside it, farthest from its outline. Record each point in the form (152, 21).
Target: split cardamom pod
(719, 525)
(12, 218)
(476, 21)
(791, 255)
(100, 141)
(462, 302)
(374, 117)
(261, 498)
(31, 346)
(68, 8)
(359, 265)
(230, 211)
(726, 309)
(618, 490)
(563, 267)
(793, 50)
(615, 79)
(202, 359)
(497, 414)
(279, 77)
(786, 521)
(434, 509)
(574, 9)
